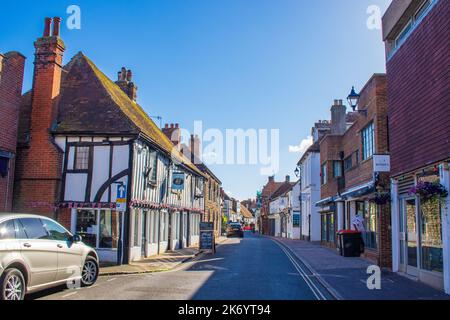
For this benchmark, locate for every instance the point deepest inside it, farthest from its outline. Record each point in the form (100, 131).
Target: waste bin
(350, 243)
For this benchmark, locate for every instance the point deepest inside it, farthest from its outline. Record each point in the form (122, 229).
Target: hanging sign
(381, 163)
(178, 181)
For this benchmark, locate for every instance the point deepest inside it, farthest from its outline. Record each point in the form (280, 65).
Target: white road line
(319, 295)
(69, 294)
(109, 280)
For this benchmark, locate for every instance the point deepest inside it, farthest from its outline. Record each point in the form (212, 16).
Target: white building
(309, 166)
(280, 211)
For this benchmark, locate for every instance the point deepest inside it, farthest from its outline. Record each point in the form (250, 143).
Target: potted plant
(429, 190)
(381, 197)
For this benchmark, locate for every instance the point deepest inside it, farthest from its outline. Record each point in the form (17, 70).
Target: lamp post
(353, 101)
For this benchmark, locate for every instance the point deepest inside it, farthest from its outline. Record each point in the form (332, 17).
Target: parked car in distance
(235, 230)
(37, 253)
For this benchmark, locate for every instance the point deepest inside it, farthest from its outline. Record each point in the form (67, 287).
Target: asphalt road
(253, 268)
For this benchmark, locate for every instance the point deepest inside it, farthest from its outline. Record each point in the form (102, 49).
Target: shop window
(431, 236)
(109, 229)
(367, 137)
(87, 226)
(81, 158)
(331, 228)
(324, 228)
(370, 219)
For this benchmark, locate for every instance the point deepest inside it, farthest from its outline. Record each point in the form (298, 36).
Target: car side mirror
(76, 238)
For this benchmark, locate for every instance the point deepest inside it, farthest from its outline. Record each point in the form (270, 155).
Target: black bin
(350, 243)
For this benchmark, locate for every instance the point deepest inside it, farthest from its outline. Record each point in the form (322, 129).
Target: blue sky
(250, 64)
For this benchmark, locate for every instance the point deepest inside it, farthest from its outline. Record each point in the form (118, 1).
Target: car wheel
(90, 271)
(12, 284)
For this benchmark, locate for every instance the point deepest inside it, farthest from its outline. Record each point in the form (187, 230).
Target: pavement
(159, 263)
(347, 277)
(253, 268)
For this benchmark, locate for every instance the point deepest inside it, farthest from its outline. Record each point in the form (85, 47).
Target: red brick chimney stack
(195, 146)
(124, 81)
(56, 26)
(39, 166)
(48, 22)
(173, 133)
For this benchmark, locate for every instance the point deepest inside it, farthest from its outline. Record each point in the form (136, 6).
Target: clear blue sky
(258, 64)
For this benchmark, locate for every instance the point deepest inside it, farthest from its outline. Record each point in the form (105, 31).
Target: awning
(324, 201)
(359, 191)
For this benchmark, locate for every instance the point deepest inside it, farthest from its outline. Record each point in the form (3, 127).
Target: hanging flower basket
(428, 191)
(381, 198)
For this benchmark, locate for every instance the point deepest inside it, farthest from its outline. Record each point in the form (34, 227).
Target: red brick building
(352, 182)
(270, 187)
(416, 34)
(11, 79)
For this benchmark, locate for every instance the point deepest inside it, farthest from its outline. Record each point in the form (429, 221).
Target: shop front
(328, 225)
(100, 229)
(421, 234)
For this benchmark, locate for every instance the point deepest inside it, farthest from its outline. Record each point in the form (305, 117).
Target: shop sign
(381, 163)
(178, 181)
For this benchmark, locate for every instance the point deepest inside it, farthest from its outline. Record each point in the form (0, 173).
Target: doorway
(144, 234)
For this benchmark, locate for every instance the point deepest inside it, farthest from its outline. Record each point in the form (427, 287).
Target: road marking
(69, 294)
(317, 293)
(109, 280)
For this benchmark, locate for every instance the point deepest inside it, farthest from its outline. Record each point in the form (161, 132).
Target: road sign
(121, 198)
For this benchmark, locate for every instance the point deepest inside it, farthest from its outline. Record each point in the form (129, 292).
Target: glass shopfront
(368, 211)
(328, 227)
(421, 243)
(98, 228)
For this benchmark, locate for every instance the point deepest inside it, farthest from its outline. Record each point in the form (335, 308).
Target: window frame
(323, 174)
(337, 164)
(75, 158)
(368, 141)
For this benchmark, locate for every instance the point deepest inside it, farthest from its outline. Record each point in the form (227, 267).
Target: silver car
(37, 253)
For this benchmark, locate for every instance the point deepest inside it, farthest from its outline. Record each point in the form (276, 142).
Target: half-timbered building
(91, 157)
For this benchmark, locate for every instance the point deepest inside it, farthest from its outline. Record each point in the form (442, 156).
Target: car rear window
(7, 231)
(34, 228)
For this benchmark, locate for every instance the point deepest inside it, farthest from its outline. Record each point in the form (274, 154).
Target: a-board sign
(207, 238)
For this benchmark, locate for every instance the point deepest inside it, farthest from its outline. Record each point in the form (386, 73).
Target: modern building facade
(417, 43)
(11, 78)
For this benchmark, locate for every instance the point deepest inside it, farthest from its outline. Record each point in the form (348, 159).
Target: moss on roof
(91, 99)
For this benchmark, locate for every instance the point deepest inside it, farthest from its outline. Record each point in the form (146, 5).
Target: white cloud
(302, 146)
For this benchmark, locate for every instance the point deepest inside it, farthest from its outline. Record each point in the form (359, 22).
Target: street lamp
(297, 172)
(353, 99)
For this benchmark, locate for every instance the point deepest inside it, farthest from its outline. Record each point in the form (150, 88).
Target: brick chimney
(39, 166)
(195, 146)
(173, 132)
(124, 81)
(338, 118)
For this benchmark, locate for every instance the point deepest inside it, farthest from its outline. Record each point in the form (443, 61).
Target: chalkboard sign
(207, 240)
(206, 226)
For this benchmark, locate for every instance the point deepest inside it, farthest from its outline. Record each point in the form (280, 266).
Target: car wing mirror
(76, 238)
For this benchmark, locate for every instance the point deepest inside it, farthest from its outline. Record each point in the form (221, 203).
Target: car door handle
(27, 245)
(59, 246)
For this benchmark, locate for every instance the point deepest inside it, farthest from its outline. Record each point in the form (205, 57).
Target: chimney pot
(129, 75)
(177, 125)
(171, 125)
(166, 126)
(48, 22)
(56, 26)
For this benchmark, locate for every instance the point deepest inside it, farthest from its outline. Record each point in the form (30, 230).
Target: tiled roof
(284, 188)
(91, 103)
(245, 212)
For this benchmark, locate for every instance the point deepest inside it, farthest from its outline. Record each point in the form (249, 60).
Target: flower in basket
(429, 190)
(381, 198)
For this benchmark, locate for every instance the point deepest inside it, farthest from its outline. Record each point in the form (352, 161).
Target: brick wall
(11, 79)
(330, 148)
(39, 165)
(418, 94)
